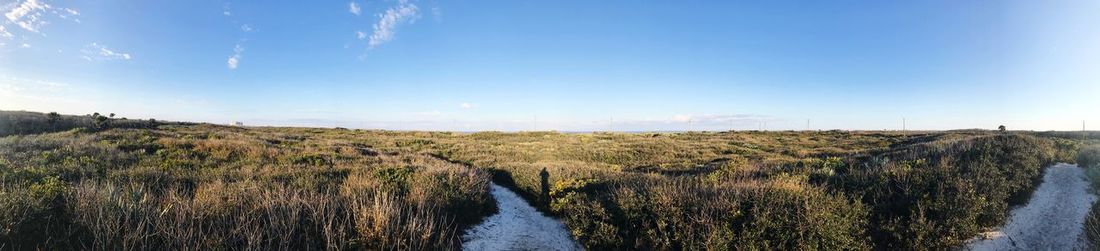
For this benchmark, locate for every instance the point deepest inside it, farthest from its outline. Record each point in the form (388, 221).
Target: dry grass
(179, 186)
(209, 187)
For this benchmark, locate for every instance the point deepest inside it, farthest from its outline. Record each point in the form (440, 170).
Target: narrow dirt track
(518, 226)
(1051, 220)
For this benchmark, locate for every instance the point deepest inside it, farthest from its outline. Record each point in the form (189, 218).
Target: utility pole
(689, 124)
(610, 123)
(902, 124)
(807, 124)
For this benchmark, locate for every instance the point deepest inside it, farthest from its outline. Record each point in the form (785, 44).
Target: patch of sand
(517, 226)
(1052, 220)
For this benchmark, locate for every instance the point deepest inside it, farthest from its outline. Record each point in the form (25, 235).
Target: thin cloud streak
(98, 52)
(235, 59)
(354, 8)
(4, 32)
(404, 12)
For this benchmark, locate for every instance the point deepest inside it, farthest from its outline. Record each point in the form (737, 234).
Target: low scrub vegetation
(936, 195)
(195, 186)
(213, 187)
(1089, 158)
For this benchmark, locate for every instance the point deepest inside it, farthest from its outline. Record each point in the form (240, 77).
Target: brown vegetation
(305, 188)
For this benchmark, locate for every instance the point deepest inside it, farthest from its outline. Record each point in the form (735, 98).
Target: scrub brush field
(96, 182)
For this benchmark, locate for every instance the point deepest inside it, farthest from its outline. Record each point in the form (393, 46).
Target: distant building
(238, 123)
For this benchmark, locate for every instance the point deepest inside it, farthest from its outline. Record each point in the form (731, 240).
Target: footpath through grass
(118, 184)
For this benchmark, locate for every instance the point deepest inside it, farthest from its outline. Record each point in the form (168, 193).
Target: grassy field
(80, 182)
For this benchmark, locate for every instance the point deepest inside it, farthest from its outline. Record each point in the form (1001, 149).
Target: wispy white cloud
(67, 13)
(25, 45)
(235, 59)
(360, 35)
(467, 106)
(354, 8)
(404, 12)
(31, 15)
(28, 15)
(227, 10)
(4, 32)
(96, 51)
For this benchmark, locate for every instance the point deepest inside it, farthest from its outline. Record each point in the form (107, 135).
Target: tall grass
(196, 186)
(1089, 158)
(211, 187)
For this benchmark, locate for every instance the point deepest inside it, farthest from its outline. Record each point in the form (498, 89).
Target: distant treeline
(1075, 135)
(22, 122)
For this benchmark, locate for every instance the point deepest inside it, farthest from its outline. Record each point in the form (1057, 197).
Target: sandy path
(1051, 220)
(517, 226)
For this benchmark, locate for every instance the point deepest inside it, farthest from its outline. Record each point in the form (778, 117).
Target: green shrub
(394, 179)
(937, 195)
(1089, 156)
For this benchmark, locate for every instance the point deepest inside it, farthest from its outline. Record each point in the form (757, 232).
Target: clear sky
(562, 65)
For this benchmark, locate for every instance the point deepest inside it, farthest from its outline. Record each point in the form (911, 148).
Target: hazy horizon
(566, 66)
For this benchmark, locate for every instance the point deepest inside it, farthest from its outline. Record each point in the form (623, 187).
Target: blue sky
(560, 65)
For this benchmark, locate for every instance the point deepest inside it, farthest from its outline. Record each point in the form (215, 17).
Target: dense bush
(210, 187)
(939, 194)
(16, 123)
(1089, 156)
(688, 214)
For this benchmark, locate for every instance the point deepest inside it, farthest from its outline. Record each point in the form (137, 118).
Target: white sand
(517, 226)
(1051, 220)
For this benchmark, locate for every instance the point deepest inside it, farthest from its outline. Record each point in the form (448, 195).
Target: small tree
(1002, 128)
(99, 122)
(53, 117)
(112, 115)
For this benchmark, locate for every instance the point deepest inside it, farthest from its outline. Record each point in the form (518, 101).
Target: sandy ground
(1051, 220)
(517, 226)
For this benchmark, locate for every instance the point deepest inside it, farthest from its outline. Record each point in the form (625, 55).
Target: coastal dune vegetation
(100, 182)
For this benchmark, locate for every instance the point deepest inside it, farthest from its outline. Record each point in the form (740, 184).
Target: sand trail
(517, 226)
(1051, 220)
